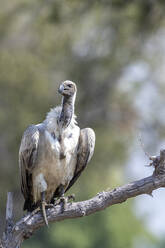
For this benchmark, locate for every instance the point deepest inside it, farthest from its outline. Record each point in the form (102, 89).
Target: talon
(64, 201)
(50, 205)
(71, 197)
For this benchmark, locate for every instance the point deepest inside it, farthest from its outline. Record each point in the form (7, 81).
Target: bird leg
(66, 199)
(63, 200)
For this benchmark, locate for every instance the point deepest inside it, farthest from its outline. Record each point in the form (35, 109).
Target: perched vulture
(53, 154)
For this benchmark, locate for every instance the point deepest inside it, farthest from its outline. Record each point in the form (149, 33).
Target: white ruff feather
(52, 118)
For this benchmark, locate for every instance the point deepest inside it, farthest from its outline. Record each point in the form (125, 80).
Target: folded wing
(27, 158)
(85, 152)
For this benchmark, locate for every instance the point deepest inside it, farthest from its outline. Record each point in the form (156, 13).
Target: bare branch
(24, 228)
(9, 212)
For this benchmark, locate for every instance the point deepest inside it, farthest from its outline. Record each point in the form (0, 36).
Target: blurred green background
(115, 52)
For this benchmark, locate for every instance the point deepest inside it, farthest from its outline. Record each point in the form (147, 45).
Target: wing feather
(85, 152)
(27, 158)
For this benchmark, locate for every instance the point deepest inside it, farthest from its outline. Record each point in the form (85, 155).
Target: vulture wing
(85, 152)
(27, 157)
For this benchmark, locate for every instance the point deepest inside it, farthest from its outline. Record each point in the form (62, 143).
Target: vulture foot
(62, 200)
(71, 197)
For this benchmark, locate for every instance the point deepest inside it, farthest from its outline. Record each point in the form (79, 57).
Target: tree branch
(9, 212)
(24, 228)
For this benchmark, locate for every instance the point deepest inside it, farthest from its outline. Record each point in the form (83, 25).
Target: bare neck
(67, 111)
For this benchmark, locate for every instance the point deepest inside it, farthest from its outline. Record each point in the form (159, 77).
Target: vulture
(53, 153)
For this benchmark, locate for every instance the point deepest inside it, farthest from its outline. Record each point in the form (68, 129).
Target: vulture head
(67, 88)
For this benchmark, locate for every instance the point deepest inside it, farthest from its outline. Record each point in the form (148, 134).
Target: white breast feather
(52, 120)
(58, 171)
(55, 145)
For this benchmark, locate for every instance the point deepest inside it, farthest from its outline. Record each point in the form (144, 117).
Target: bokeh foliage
(91, 43)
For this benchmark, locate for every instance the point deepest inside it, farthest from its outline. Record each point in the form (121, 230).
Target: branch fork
(15, 234)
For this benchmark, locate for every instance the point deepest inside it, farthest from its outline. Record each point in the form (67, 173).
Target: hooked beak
(61, 89)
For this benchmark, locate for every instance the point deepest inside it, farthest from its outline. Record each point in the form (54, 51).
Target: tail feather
(29, 205)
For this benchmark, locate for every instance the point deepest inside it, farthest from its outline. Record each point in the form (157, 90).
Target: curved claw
(71, 197)
(64, 200)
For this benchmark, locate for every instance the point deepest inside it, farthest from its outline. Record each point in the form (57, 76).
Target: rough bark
(16, 233)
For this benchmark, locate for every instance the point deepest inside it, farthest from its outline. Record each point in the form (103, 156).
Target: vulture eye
(69, 85)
